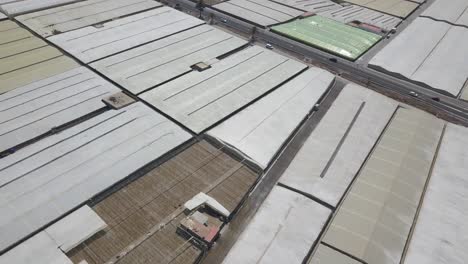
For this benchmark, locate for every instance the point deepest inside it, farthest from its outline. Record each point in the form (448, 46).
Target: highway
(443, 105)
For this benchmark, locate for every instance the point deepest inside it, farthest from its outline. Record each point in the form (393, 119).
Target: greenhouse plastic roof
(73, 16)
(282, 230)
(32, 110)
(260, 12)
(98, 159)
(256, 132)
(430, 52)
(351, 13)
(311, 5)
(335, 37)
(45, 180)
(441, 232)
(93, 43)
(345, 135)
(25, 58)
(456, 12)
(200, 99)
(375, 219)
(15, 7)
(400, 8)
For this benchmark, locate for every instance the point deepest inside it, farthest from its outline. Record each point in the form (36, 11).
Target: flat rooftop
(135, 132)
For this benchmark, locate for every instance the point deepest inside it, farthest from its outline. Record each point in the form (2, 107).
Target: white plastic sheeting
(203, 198)
(29, 111)
(75, 228)
(455, 12)
(93, 43)
(350, 13)
(400, 8)
(47, 179)
(15, 7)
(464, 94)
(282, 231)
(315, 6)
(25, 58)
(330, 158)
(200, 99)
(441, 233)
(159, 61)
(40, 249)
(376, 217)
(430, 52)
(260, 130)
(327, 255)
(73, 16)
(260, 12)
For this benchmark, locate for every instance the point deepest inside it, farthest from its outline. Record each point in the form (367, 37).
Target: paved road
(443, 105)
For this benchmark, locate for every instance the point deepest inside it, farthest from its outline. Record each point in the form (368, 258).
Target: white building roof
(441, 232)
(455, 12)
(326, 255)
(282, 231)
(332, 155)
(200, 99)
(40, 249)
(93, 43)
(75, 228)
(375, 219)
(48, 246)
(260, 12)
(25, 58)
(260, 130)
(399, 8)
(429, 52)
(159, 61)
(315, 6)
(201, 199)
(15, 7)
(464, 94)
(350, 13)
(81, 14)
(43, 181)
(32, 110)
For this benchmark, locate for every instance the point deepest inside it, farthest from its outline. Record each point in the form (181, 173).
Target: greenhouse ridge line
(439, 103)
